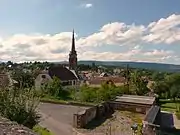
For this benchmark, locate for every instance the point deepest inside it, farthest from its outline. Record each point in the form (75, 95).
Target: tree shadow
(169, 131)
(167, 124)
(167, 120)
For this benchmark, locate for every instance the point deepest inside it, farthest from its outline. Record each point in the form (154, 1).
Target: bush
(20, 106)
(95, 94)
(54, 88)
(88, 94)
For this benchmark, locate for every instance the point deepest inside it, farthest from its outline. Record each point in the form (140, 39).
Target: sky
(105, 30)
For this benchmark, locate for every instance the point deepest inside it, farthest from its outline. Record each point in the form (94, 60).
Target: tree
(88, 94)
(107, 91)
(127, 77)
(175, 92)
(140, 84)
(173, 79)
(54, 87)
(167, 88)
(24, 79)
(161, 88)
(9, 63)
(82, 67)
(158, 76)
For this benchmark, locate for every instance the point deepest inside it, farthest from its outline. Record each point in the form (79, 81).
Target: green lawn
(41, 131)
(169, 105)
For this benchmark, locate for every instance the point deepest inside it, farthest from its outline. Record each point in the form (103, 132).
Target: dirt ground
(118, 124)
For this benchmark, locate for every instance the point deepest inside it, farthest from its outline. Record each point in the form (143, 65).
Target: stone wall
(8, 127)
(81, 119)
(139, 108)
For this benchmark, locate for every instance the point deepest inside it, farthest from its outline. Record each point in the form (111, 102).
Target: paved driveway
(58, 118)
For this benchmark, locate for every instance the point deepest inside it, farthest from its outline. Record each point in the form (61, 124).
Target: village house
(66, 76)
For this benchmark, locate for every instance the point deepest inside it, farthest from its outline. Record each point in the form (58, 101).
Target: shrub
(88, 94)
(20, 106)
(95, 94)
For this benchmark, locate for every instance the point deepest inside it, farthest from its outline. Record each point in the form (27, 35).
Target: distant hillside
(153, 66)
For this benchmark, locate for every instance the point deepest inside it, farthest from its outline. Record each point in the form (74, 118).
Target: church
(67, 75)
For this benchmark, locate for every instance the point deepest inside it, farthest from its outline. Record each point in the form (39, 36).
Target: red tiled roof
(99, 80)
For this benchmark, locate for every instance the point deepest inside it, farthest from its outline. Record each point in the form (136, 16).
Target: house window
(65, 83)
(43, 76)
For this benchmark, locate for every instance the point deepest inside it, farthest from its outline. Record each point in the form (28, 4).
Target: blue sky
(119, 30)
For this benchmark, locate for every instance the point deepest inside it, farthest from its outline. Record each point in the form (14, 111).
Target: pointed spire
(73, 43)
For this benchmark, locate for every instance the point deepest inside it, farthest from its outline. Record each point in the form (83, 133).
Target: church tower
(73, 55)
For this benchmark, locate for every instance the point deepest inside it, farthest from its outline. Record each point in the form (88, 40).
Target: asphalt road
(58, 118)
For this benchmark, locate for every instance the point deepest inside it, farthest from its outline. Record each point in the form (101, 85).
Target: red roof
(99, 80)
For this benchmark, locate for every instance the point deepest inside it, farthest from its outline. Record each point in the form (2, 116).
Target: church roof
(62, 73)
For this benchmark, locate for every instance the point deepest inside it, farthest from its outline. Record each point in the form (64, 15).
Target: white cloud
(133, 55)
(87, 5)
(166, 30)
(36, 47)
(56, 47)
(91, 55)
(115, 34)
(159, 53)
(118, 33)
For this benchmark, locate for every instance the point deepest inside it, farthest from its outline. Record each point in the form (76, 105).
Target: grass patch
(53, 100)
(41, 131)
(169, 105)
(67, 102)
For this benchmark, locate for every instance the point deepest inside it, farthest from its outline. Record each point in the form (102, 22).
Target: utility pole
(127, 77)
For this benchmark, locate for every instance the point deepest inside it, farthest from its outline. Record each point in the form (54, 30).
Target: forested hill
(145, 65)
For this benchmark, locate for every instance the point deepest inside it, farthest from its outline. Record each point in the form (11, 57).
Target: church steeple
(73, 55)
(73, 43)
